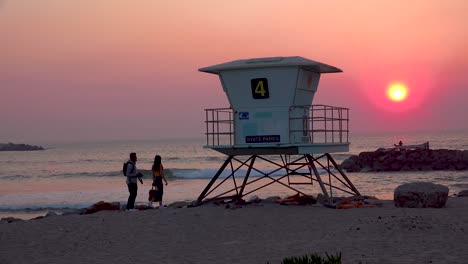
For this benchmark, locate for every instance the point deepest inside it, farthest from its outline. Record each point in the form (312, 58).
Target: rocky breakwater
(18, 147)
(407, 160)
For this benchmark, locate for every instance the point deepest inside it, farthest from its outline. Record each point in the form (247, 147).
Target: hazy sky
(122, 69)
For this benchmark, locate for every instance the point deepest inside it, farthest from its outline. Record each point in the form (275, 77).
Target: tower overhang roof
(270, 62)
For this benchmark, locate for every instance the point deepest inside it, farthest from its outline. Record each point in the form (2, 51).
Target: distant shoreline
(19, 147)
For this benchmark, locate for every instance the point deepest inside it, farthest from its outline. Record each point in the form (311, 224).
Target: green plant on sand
(313, 259)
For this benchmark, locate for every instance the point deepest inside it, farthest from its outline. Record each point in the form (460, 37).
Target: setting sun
(397, 92)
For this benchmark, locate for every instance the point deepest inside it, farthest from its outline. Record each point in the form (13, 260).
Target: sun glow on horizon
(397, 92)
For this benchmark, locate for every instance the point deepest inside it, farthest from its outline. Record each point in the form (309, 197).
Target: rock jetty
(407, 160)
(18, 147)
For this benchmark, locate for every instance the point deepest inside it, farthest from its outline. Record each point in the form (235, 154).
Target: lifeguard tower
(271, 120)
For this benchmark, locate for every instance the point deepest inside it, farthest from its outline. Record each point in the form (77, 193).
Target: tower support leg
(319, 179)
(342, 174)
(246, 176)
(294, 168)
(215, 177)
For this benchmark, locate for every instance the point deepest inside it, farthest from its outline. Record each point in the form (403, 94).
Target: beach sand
(251, 234)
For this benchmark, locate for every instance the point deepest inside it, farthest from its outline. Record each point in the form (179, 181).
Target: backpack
(124, 169)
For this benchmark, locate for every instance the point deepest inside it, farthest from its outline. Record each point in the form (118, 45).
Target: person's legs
(133, 190)
(160, 191)
(159, 186)
(155, 191)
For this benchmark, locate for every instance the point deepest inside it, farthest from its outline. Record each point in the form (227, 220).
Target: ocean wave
(170, 173)
(86, 174)
(56, 200)
(16, 177)
(460, 185)
(197, 159)
(209, 173)
(41, 208)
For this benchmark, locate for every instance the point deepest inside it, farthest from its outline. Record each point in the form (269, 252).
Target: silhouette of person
(158, 177)
(132, 175)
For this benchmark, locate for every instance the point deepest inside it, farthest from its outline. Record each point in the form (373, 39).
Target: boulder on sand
(420, 195)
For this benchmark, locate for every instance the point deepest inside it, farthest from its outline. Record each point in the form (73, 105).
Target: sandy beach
(251, 234)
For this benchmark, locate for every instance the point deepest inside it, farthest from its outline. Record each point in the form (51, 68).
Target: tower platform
(287, 149)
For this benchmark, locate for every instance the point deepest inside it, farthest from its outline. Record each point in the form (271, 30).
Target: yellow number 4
(260, 89)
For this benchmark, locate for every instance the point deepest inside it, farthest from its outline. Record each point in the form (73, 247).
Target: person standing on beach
(132, 176)
(158, 177)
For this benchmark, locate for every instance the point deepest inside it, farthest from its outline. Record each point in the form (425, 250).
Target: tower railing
(308, 124)
(318, 124)
(219, 126)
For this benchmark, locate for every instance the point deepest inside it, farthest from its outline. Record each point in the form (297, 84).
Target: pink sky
(115, 69)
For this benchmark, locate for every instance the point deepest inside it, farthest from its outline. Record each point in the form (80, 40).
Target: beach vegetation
(313, 259)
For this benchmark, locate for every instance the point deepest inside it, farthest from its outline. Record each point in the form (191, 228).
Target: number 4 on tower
(260, 88)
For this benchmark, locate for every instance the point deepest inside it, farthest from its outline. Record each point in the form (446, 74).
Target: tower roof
(310, 65)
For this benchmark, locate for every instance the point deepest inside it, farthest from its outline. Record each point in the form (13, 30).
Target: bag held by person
(152, 194)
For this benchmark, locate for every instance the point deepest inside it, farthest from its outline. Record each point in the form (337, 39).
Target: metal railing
(307, 124)
(319, 124)
(219, 126)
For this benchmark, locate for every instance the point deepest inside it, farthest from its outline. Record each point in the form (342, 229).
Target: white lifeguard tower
(271, 114)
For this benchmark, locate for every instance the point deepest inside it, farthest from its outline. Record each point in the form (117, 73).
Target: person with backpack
(133, 175)
(158, 177)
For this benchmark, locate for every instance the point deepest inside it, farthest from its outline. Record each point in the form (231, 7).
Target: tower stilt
(306, 166)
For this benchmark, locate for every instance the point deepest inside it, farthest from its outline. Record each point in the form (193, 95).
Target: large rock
(351, 164)
(102, 206)
(10, 219)
(18, 147)
(407, 160)
(179, 204)
(420, 195)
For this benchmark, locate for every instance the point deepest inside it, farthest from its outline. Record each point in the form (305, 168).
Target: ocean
(72, 175)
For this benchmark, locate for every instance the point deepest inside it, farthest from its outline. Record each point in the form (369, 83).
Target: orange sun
(397, 92)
